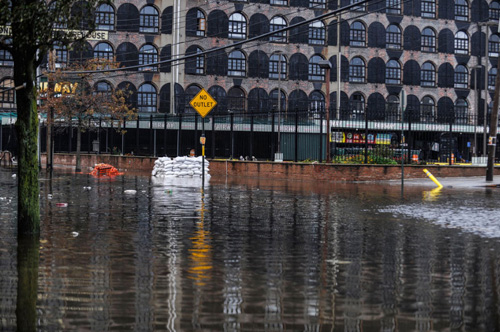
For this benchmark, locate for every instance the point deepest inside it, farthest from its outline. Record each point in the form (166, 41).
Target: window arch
(195, 65)
(7, 96)
(317, 33)
(237, 26)
(393, 7)
(149, 19)
(103, 51)
(357, 105)
(196, 23)
(277, 23)
(461, 111)
(461, 75)
(393, 72)
(492, 75)
(461, 43)
(105, 17)
(393, 37)
(317, 4)
(273, 96)
(357, 70)
(316, 103)
(392, 108)
(148, 54)
(494, 46)
(494, 10)
(357, 34)
(461, 10)
(428, 75)
(236, 100)
(103, 88)
(428, 8)
(274, 66)
(316, 73)
(146, 98)
(428, 109)
(236, 64)
(428, 40)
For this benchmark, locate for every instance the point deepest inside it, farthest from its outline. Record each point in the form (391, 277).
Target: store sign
(6, 30)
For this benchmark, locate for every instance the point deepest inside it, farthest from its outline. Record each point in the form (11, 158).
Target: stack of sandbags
(179, 167)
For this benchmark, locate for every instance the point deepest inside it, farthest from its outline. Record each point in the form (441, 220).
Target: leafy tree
(36, 27)
(74, 100)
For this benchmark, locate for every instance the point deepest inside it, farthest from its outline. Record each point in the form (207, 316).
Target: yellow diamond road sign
(203, 103)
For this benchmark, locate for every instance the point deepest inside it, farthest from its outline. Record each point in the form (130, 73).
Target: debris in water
(62, 204)
(130, 192)
(74, 234)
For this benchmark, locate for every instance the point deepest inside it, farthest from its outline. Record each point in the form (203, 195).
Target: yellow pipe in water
(433, 178)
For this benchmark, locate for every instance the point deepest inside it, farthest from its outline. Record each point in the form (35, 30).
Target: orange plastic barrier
(105, 170)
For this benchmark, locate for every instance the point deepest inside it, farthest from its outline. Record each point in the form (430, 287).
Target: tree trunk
(27, 130)
(78, 166)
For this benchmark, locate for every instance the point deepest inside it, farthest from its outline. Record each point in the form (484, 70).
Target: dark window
(190, 93)
(195, 23)
(6, 58)
(103, 51)
(273, 96)
(7, 92)
(274, 66)
(461, 75)
(492, 75)
(200, 23)
(59, 18)
(428, 109)
(195, 65)
(279, 2)
(428, 8)
(237, 26)
(236, 65)
(461, 10)
(428, 40)
(200, 62)
(494, 10)
(357, 105)
(148, 55)
(392, 108)
(236, 100)
(393, 37)
(317, 33)
(317, 4)
(360, 8)
(357, 34)
(461, 111)
(316, 103)
(461, 43)
(105, 17)
(393, 6)
(428, 75)
(393, 72)
(146, 98)
(316, 73)
(494, 46)
(103, 89)
(357, 70)
(61, 55)
(148, 20)
(278, 23)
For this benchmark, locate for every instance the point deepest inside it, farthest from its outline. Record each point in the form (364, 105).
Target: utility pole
(325, 64)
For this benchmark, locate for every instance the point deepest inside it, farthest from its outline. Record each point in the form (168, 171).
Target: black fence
(355, 137)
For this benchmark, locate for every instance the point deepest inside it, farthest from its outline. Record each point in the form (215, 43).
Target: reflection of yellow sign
(203, 103)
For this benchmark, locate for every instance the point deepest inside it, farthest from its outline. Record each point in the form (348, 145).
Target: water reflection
(252, 255)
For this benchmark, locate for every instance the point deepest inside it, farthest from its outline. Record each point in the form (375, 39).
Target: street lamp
(325, 64)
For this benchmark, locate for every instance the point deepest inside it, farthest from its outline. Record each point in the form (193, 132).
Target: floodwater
(250, 255)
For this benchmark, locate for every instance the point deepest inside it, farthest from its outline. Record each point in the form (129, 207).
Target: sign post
(203, 103)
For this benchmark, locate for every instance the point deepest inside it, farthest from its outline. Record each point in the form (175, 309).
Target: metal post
(273, 156)
(320, 159)
(279, 103)
(196, 132)
(70, 133)
(486, 57)
(325, 64)
(451, 142)
(123, 135)
(99, 136)
(232, 135)
(366, 137)
(152, 146)
(179, 135)
(251, 136)
(478, 96)
(213, 136)
(492, 141)
(137, 135)
(296, 136)
(1, 133)
(165, 134)
(202, 141)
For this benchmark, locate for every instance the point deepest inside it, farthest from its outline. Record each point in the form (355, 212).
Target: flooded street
(144, 254)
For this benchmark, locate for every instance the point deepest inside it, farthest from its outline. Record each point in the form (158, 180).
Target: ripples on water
(255, 256)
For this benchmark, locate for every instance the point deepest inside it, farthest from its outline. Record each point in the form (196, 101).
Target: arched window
(60, 20)
(316, 73)
(200, 23)
(461, 43)
(461, 75)
(357, 34)
(461, 111)
(190, 93)
(195, 23)
(61, 55)
(492, 75)
(105, 17)
(317, 33)
(461, 10)
(494, 10)
(392, 108)
(146, 98)
(428, 109)
(316, 103)
(7, 96)
(236, 64)
(278, 23)
(236, 100)
(393, 7)
(5, 56)
(428, 8)
(103, 88)
(428, 74)
(357, 105)
(428, 40)
(103, 51)
(393, 37)
(494, 46)
(273, 96)
(393, 72)
(237, 26)
(148, 54)
(317, 4)
(149, 20)
(200, 62)
(274, 66)
(357, 70)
